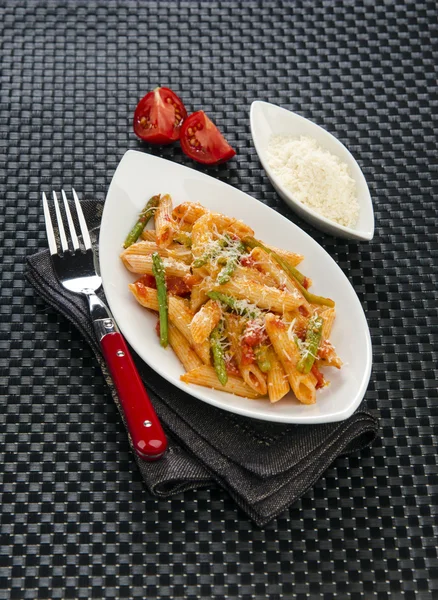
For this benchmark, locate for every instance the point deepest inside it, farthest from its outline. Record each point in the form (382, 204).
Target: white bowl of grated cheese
(313, 172)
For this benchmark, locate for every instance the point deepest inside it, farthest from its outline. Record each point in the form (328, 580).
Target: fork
(74, 268)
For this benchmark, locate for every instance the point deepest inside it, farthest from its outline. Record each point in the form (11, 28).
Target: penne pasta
(149, 235)
(142, 265)
(164, 225)
(205, 320)
(181, 316)
(245, 326)
(198, 297)
(253, 275)
(180, 253)
(262, 296)
(291, 257)
(207, 228)
(278, 383)
(187, 356)
(250, 372)
(144, 295)
(144, 248)
(206, 376)
(302, 385)
(269, 267)
(185, 227)
(328, 315)
(188, 212)
(327, 356)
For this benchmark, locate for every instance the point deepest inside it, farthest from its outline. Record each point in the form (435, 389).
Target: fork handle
(147, 435)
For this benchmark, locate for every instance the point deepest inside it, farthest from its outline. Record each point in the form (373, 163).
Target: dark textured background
(76, 520)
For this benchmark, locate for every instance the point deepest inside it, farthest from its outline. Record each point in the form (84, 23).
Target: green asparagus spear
(218, 356)
(233, 303)
(311, 345)
(160, 279)
(230, 265)
(262, 357)
(143, 220)
(290, 270)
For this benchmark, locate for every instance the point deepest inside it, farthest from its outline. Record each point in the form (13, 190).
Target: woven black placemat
(76, 521)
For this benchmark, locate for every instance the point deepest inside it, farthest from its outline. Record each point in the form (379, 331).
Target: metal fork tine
(49, 227)
(82, 222)
(71, 225)
(64, 243)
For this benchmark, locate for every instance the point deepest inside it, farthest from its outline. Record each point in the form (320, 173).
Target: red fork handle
(146, 433)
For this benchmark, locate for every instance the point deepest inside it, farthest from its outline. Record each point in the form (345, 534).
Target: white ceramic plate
(268, 120)
(138, 177)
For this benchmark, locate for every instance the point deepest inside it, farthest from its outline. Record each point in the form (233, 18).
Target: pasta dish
(237, 312)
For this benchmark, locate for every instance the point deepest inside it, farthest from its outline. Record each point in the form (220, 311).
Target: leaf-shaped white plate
(268, 120)
(138, 177)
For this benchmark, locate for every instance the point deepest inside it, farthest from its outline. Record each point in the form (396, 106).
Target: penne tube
(253, 275)
(332, 361)
(303, 386)
(230, 225)
(328, 315)
(206, 376)
(253, 377)
(205, 320)
(185, 227)
(207, 228)
(198, 297)
(142, 265)
(269, 267)
(149, 235)
(278, 383)
(202, 235)
(188, 212)
(164, 225)
(291, 257)
(261, 295)
(181, 317)
(146, 296)
(187, 356)
(327, 356)
(144, 248)
(180, 253)
(251, 374)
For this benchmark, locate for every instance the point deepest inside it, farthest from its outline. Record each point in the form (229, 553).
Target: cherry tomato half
(159, 116)
(201, 140)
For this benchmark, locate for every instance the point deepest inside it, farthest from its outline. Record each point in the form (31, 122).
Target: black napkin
(264, 466)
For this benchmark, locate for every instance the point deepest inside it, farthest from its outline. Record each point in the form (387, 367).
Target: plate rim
(192, 390)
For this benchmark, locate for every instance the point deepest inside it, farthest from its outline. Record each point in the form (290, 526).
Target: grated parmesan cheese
(316, 178)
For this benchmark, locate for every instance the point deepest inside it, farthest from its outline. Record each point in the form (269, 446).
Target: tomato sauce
(320, 381)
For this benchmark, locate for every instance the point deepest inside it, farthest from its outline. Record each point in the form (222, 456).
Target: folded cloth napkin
(264, 466)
